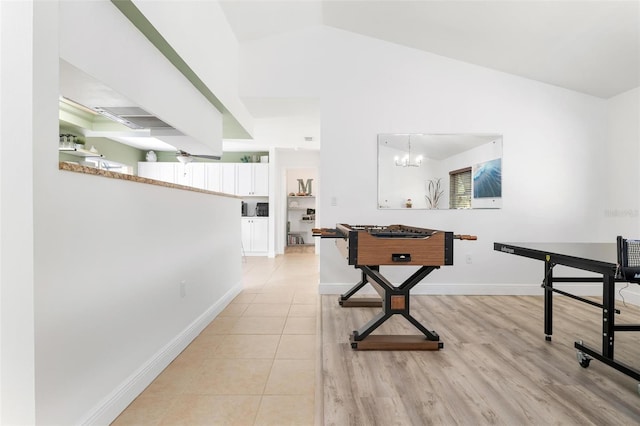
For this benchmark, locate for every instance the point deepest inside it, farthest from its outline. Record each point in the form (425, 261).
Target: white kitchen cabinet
(255, 235)
(220, 177)
(243, 179)
(252, 179)
(228, 176)
(183, 174)
(261, 180)
(165, 172)
(198, 175)
(213, 177)
(191, 174)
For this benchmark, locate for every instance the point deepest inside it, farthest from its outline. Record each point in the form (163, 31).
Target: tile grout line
(275, 354)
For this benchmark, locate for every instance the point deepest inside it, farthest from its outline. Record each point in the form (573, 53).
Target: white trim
(114, 403)
(258, 253)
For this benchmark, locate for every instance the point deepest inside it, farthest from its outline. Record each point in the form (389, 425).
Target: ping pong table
(599, 258)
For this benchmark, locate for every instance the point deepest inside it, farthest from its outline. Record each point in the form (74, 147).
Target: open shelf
(298, 223)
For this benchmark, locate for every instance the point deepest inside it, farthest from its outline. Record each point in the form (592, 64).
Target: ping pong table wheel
(583, 359)
(585, 363)
(354, 342)
(547, 338)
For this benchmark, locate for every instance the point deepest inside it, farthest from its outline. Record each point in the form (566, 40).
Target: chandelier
(407, 160)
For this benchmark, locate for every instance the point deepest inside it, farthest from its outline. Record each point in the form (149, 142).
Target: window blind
(460, 189)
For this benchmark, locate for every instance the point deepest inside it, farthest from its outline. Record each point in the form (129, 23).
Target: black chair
(629, 259)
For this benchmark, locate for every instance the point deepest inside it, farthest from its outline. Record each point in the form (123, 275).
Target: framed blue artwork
(487, 179)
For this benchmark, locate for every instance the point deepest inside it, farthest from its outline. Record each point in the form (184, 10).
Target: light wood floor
(302, 248)
(496, 367)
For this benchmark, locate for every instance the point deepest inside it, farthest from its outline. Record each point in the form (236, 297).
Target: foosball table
(367, 247)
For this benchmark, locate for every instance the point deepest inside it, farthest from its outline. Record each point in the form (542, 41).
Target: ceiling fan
(186, 158)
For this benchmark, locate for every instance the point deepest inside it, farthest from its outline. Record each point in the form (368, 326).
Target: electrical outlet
(334, 201)
(183, 288)
(468, 259)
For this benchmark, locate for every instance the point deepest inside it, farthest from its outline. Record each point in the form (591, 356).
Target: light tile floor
(255, 364)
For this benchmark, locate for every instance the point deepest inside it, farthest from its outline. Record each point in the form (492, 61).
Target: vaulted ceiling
(587, 46)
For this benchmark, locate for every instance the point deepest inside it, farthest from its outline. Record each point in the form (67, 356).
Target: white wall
(554, 140)
(18, 24)
(108, 258)
(621, 202)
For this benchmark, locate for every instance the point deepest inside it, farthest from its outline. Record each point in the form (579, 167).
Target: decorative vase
(435, 193)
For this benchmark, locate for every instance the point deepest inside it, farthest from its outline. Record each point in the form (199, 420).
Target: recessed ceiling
(281, 122)
(591, 47)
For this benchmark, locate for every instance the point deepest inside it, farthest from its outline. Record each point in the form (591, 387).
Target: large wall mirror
(439, 171)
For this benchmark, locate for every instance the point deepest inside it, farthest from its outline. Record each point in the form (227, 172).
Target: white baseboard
(256, 253)
(631, 294)
(111, 406)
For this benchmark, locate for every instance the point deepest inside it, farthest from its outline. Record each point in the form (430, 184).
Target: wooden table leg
(347, 301)
(395, 301)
